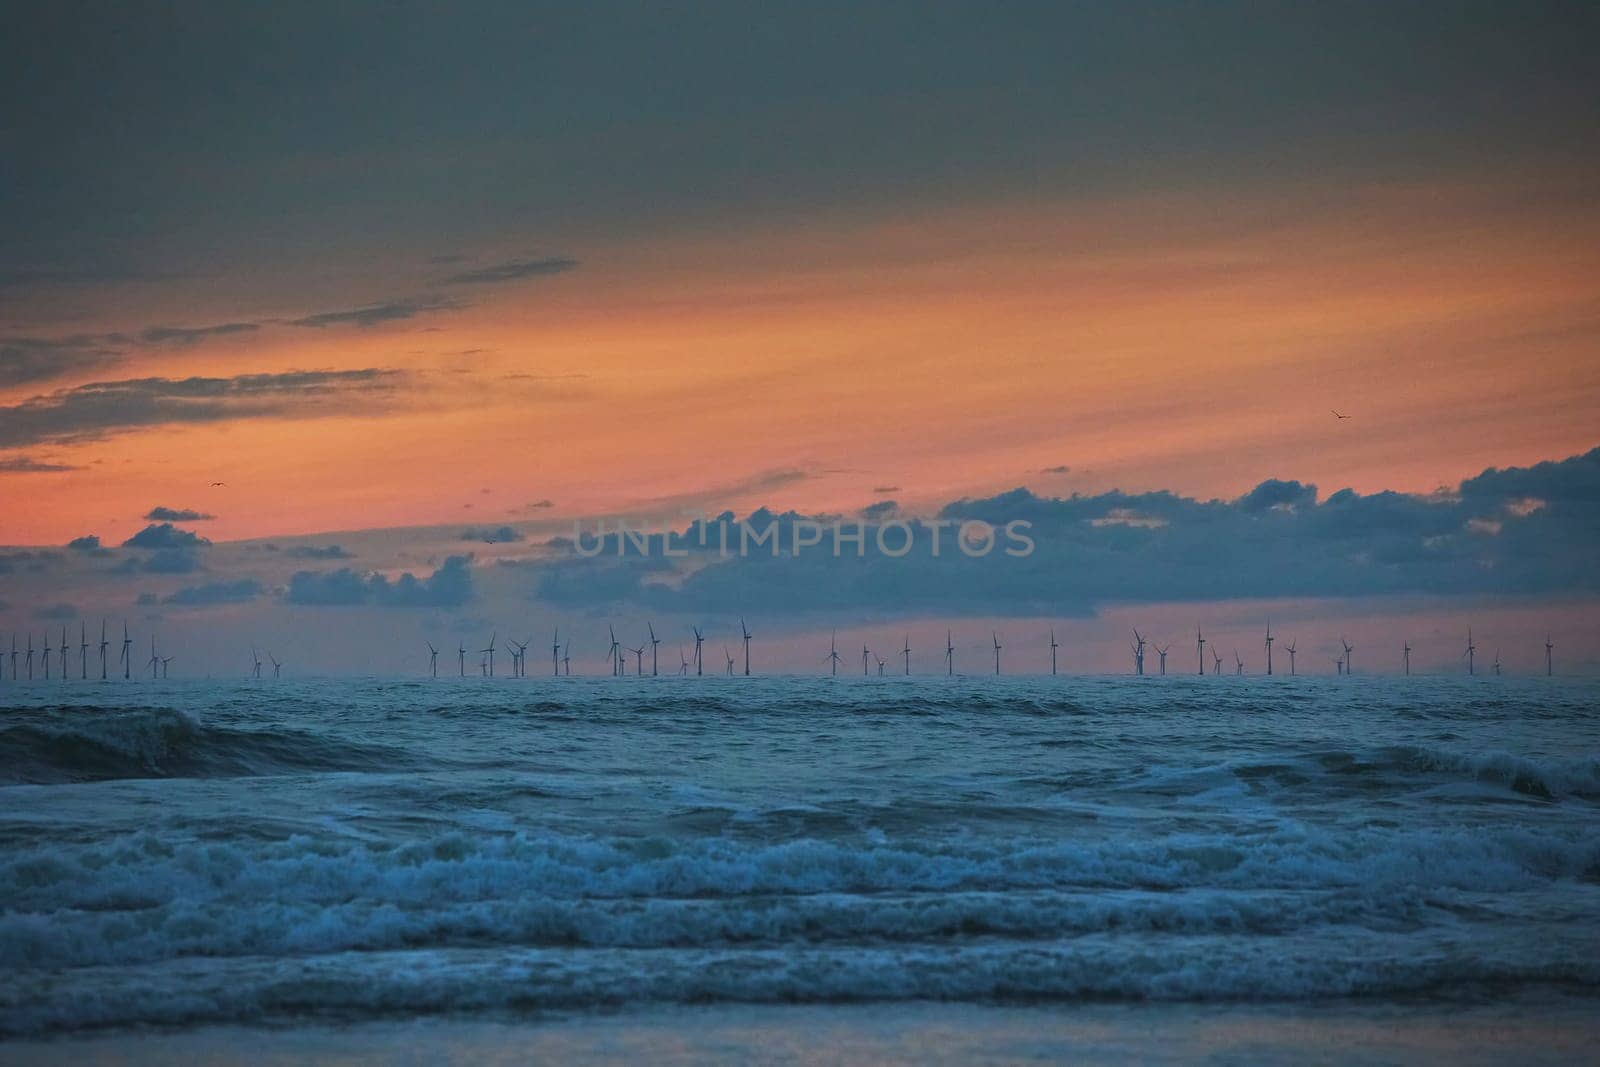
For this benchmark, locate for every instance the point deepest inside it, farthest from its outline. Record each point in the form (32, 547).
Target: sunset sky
(399, 275)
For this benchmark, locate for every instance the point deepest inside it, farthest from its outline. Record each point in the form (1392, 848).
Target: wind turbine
(1338, 665)
(1200, 650)
(277, 668)
(638, 656)
(30, 657)
(555, 653)
(865, 652)
(461, 657)
(566, 659)
(255, 656)
(433, 660)
(14, 656)
(1497, 663)
(47, 650)
(1138, 652)
(1289, 648)
(1405, 652)
(165, 661)
(615, 653)
(906, 652)
(699, 659)
(1471, 652)
(880, 663)
(1216, 658)
(83, 651)
(1548, 648)
(655, 651)
(1053, 647)
(1239, 663)
(103, 644)
(996, 637)
(746, 631)
(1162, 652)
(127, 652)
(522, 656)
(493, 636)
(1269, 646)
(683, 665)
(949, 654)
(1349, 663)
(725, 652)
(833, 652)
(155, 660)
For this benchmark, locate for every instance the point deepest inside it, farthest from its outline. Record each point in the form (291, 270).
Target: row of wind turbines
(158, 664)
(617, 653)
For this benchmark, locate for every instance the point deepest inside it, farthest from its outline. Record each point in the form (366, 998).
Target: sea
(603, 868)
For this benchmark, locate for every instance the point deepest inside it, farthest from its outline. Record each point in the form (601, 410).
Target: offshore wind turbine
(1269, 646)
(461, 657)
(949, 654)
(1548, 648)
(255, 672)
(489, 652)
(1138, 652)
(433, 660)
(699, 660)
(30, 656)
(1216, 657)
(1471, 652)
(165, 662)
(522, 656)
(103, 644)
(1405, 653)
(725, 652)
(865, 652)
(1289, 648)
(683, 665)
(996, 637)
(64, 649)
(277, 668)
(1200, 650)
(127, 652)
(155, 660)
(1239, 663)
(880, 663)
(1053, 647)
(83, 651)
(833, 652)
(638, 656)
(1497, 663)
(1349, 664)
(1162, 652)
(906, 652)
(1338, 665)
(746, 631)
(555, 653)
(47, 650)
(655, 651)
(566, 659)
(13, 656)
(615, 653)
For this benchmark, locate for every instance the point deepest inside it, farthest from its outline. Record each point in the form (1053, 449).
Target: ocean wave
(143, 899)
(77, 746)
(1547, 778)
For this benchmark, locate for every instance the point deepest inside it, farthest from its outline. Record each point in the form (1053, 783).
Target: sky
(430, 284)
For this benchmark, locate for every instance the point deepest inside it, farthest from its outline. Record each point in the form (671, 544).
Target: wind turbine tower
(1200, 650)
(127, 652)
(103, 645)
(996, 637)
(1289, 648)
(1548, 648)
(1470, 653)
(1405, 653)
(83, 651)
(1269, 646)
(1053, 647)
(949, 654)
(433, 660)
(906, 652)
(833, 652)
(47, 650)
(699, 660)
(655, 651)
(746, 631)
(489, 652)
(1138, 653)
(1162, 652)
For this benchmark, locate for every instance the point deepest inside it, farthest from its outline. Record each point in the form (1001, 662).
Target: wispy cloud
(376, 314)
(188, 335)
(513, 270)
(36, 359)
(29, 465)
(99, 409)
(235, 592)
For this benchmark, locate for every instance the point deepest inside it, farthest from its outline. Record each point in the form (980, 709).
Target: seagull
(1337, 415)
(215, 484)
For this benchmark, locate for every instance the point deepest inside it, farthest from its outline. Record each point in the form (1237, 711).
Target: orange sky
(1192, 342)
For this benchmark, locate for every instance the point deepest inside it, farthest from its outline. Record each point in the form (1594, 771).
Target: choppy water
(186, 853)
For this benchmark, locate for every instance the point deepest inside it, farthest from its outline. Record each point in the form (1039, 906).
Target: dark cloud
(164, 535)
(884, 490)
(28, 465)
(235, 592)
(376, 314)
(171, 561)
(60, 612)
(24, 360)
(88, 544)
(27, 559)
(449, 586)
(1062, 469)
(101, 408)
(188, 335)
(314, 551)
(513, 270)
(165, 514)
(491, 535)
(1516, 533)
(883, 509)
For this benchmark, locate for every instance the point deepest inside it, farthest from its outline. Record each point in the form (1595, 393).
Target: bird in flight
(1337, 415)
(215, 484)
